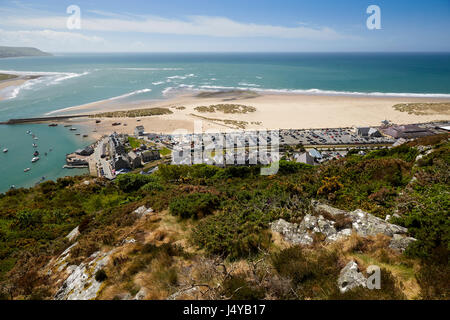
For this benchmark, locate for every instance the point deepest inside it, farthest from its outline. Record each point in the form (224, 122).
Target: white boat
(36, 138)
(34, 145)
(26, 170)
(35, 159)
(5, 150)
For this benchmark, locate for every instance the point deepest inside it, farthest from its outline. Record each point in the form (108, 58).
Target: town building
(139, 131)
(304, 157)
(135, 160)
(408, 131)
(120, 162)
(85, 152)
(150, 155)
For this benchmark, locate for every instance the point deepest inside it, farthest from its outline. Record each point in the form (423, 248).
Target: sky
(226, 26)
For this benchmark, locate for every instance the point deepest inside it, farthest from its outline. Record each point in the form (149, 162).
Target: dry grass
(375, 251)
(133, 113)
(234, 124)
(226, 108)
(424, 108)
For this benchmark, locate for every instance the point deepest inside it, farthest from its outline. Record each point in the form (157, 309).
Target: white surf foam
(48, 78)
(133, 93)
(333, 92)
(109, 99)
(150, 69)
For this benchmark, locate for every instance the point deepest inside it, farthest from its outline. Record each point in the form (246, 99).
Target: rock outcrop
(362, 223)
(73, 234)
(142, 211)
(81, 283)
(350, 278)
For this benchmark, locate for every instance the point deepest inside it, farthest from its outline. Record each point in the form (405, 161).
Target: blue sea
(75, 79)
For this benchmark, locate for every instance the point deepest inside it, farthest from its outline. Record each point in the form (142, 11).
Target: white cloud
(48, 39)
(193, 25)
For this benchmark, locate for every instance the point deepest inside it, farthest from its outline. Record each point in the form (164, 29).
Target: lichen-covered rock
(141, 294)
(73, 234)
(350, 277)
(291, 232)
(142, 211)
(366, 225)
(183, 293)
(81, 283)
(400, 243)
(319, 207)
(362, 223)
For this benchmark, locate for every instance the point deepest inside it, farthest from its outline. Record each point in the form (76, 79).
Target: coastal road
(102, 163)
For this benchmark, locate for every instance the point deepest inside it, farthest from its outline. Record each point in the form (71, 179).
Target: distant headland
(11, 52)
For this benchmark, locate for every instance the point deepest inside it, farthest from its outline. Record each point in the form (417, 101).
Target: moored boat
(5, 150)
(26, 170)
(35, 159)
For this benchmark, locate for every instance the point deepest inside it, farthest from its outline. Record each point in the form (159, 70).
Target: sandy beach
(273, 111)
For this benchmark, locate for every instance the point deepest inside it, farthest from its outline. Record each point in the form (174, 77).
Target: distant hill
(8, 52)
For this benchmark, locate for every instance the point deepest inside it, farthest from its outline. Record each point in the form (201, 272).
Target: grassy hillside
(210, 229)
(10, 52)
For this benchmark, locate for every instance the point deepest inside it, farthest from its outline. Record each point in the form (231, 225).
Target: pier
(42, 119)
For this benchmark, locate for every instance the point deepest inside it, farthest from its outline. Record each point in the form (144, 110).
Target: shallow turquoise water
(74, 79)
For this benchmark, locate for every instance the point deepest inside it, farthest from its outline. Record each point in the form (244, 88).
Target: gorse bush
(196, 205)
(133, 182)
(233, 233)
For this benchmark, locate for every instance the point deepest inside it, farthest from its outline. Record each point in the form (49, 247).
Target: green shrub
(132, 182)
(196, 205)
(28, 218)
(234, 233)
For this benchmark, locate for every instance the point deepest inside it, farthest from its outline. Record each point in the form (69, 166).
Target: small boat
(85, 135)
(34, 145)
(116, 124)
(35, 159)
(45, 153)
(97, 121)
(36, 153)
(51, 149)
(36, 138)
(67, 125)
(26, 170)
(73, 129)
(78, 134)
(12, 187)
(5, 150)
(28, 132)
(53, 125)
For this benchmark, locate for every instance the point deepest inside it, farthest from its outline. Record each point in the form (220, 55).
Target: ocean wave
(109, 99)
(48, 78)
(152, 69)
(68, 76)
(333, 92)
(182, 77)
(130, 94)
(167, 90)
(248, 84)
